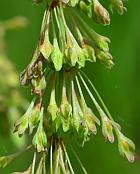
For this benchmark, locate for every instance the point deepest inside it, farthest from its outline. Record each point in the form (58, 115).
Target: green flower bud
(35, 117)
(118, 5)
(100, 14)
(101, 41)
(39, 84)
(71, 56)
(90, 120)
(107, 128)
(45, 46)
(46, 49)
(22, 124)
(65, 113)
(89, 53)
(65, 109)
(105, 58)
(86, 8)
(81, 58)
(52, 109)
(73, 2)
(126, 147)
(56, 56)
(40, 138)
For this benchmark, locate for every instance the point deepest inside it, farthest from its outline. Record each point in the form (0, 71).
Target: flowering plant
(59, 86)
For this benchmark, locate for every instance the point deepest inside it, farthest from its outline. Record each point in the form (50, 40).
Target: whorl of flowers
(59, 107)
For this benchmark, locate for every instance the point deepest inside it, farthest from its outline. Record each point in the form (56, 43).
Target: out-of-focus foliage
(119, 88)
(11, 101)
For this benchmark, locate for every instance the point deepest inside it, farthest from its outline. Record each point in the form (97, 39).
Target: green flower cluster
(59, 107)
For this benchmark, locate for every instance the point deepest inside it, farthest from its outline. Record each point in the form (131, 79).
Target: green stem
(98, 95)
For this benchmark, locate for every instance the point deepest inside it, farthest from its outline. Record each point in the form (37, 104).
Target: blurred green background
(119, 87)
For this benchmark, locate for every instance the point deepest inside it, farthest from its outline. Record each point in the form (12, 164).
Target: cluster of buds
(94, 9)
(59, 105)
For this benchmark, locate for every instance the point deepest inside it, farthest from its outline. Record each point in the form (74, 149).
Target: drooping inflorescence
(59, 106)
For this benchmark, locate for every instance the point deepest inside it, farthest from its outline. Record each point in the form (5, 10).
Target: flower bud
(52, 109)
(39, 84)
(101, 41)
(105, 58)
(45, 46)
(107, 128)
(73, 2)
(126, 147)
(118, 5)
(89, 53)
(81, 58)
(100, 14)
(40, 138)
(90, 120)
(56, 56)
(71, 56)
(22, 124)
(86, 8)
(35, 117)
